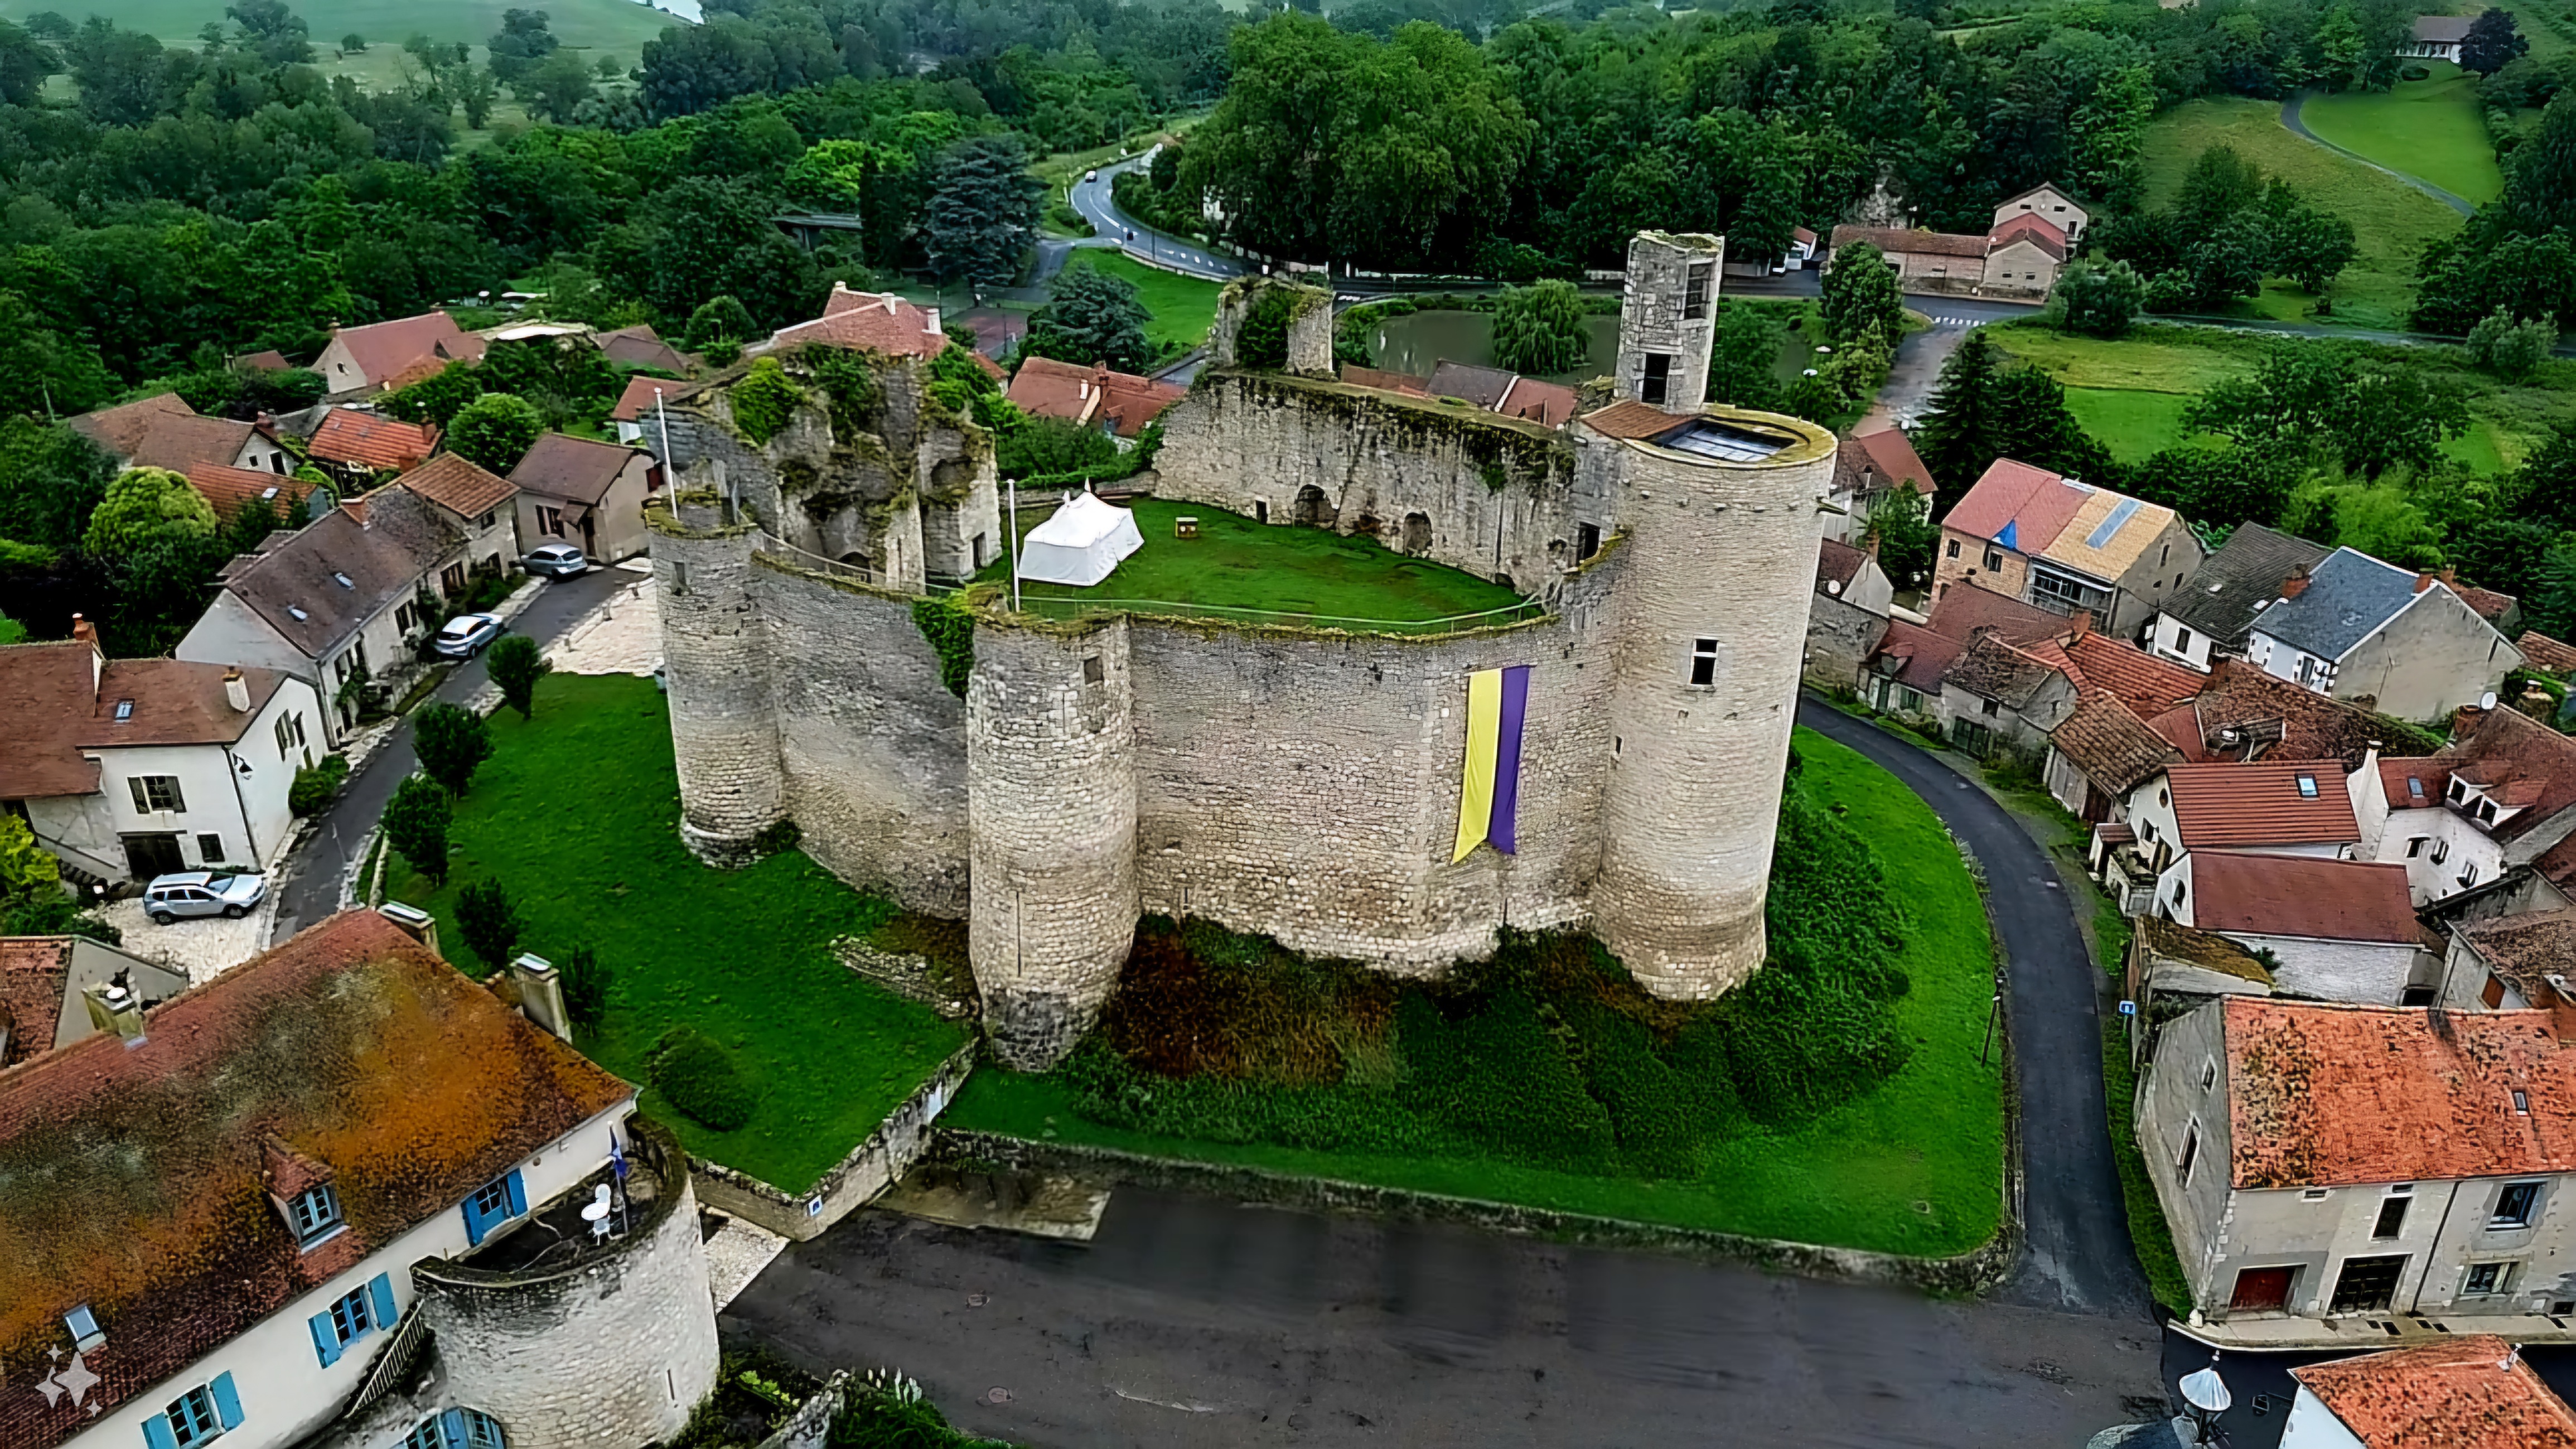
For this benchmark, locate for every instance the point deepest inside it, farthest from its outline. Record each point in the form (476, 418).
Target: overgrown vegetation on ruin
(1837, 1097)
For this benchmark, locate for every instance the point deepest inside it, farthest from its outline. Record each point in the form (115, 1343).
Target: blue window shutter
(157, 1435)
(326, 1342)
(518, 1194)
(474, 1224)
(380, 1297)
(227, 1403)
(451, 1428)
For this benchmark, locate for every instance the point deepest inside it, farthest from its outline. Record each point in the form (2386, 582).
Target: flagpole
(1015, 548)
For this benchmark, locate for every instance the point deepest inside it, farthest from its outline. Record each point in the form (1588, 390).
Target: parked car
(202, 893)
(1092, 175)
(464, 636)
(556, 560)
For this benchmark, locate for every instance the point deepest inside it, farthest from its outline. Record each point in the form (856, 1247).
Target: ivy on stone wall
(849, 382)
(943, 621)
(763, 400)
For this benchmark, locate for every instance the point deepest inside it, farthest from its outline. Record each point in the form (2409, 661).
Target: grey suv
(201, 893)
(555, 560)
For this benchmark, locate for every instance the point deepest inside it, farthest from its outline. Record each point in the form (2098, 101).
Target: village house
(359, 361)
(1924, 261)
(2436, 37)
(2002, 698)
(872, 322)
(355, 446)
(641, 346)
(1848, 615)
(56, 990)
(2064, 545)
(128, 769)
(373, 1254)
(2207, 618)
(345, 602)
(2046, 203)
(2394, 640)
(2511, 963)
(2291, 807)
(2034, 236)
(162, 431)
(229, 490)
(636, 411)
(1903, 674)
(1870, 468)
(1117, 404)
(2332, 930)
(2495, 800)
(2350, 1162)
(574, 490)
(2545, 654)
(2468, 1392)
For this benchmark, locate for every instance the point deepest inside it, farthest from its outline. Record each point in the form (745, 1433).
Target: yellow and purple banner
(1497, 702)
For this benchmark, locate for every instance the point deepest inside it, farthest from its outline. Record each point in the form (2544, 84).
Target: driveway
(311, 879)
(1192, 1321)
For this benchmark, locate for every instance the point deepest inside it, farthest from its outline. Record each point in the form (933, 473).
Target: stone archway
(1417, 534)
(1314, 510)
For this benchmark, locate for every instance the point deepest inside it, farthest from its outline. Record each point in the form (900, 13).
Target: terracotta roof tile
(1967, 607)
(1918, 656)
(641, 346)
(422, 345)
(2546, 653)
(182, 443)
(2472, 1392)
(636, 403)
(2526, 950)
(226, 489)
(2022, 507)
(463, 487)
(2413, 783)
(868, 322)
(2111, 745)
(120, 429)
(2265, 803)
(175, 703)
(2327, 1096)
(47, 693)
(2148, 685)
(350, 436)
(2294, 895)
(1629, 418)
(2032, 225)
(351, 1044)
(1836, 562)
(33, 973)
(1885, 454)
(2489, 604)
(383, 544)
(1914, 243)
(2281, 719)
(1049, 388)
(1540, 402)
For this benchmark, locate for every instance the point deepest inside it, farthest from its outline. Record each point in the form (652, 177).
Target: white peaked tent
(1080, 545)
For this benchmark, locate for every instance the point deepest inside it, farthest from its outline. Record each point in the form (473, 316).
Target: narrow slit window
(1703, 669)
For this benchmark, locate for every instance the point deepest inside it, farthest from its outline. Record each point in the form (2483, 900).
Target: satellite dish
(2487, 700)
(2204, 1390)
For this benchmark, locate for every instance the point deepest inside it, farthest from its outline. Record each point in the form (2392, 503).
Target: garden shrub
(585, 981)
(764, 399)
(489, 923)
(314, 789)
(416, 822)
(699, 1078)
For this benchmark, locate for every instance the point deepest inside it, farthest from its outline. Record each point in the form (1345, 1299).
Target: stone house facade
(2355, 1163)
(2063, 545)
(2394, 640)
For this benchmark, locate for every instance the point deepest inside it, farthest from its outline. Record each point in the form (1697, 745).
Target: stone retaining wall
(883, 1156)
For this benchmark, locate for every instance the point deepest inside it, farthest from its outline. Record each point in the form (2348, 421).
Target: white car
(465, 635)
(201, 893)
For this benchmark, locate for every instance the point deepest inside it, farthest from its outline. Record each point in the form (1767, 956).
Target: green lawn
(1182, 308)
(2391, 220)
(590, 27)
(1913, 1166)
(2429, 129)
(2131, 424)
(576, 815)
(1260, 573)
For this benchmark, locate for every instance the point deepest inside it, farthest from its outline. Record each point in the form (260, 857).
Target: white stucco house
(2389, 639)
(130, 768)
(2496, 799)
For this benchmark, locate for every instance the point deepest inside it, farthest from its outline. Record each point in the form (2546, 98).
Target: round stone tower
(723, 729)
(1719, 558)
(1051, 812)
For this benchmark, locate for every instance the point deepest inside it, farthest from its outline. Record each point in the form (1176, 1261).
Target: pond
(1420, 341)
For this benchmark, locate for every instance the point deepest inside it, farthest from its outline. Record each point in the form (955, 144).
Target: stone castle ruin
(1051, 780)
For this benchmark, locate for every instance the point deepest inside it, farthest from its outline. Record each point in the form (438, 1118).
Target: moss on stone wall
(945, 621)
(763, 400)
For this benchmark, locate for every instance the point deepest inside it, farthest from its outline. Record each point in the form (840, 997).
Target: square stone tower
(1668, 318)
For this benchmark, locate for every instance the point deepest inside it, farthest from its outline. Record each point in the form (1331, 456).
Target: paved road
(311, 888)
(1192, 1321)
(1154, 248)
(2298, 126)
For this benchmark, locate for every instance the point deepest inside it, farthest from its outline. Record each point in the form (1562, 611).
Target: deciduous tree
(515, 664)
(1092, 316)
(1860, 292)
(2493, 40)
(452, 743)
(145, 506)
(416, 822)
(495, 430)
(1541, 328)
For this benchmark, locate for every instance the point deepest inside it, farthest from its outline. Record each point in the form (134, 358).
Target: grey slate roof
(2224, 594)
(382, 559)
(2348, 597)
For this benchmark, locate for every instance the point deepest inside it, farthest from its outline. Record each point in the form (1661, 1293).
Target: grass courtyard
(1268, 573)
(576, 815)
(2391, 221)
(1910, 1165)
(2429, 129)
(1181, 308)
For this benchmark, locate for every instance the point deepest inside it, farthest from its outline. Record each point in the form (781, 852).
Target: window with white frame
(154, 793)
(315, 1212)
(2517, 1206)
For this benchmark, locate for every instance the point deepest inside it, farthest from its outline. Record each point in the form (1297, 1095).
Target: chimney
(2423, 581)
(236, 691)
(85, 632)
(931, 326)
(2295, 585)
(2083, 620)
(2450, 576)
(412, 921)
(541, 994)
(113, 1006)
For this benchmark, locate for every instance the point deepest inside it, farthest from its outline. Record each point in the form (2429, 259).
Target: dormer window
(2459, 791)
(2486, 812)
(314, 1213)
(2307, 787)
(86, 1334)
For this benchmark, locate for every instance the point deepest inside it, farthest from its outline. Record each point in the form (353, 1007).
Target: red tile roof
(56, 712)
(2110, 744)
(422, 345)
(2413, 783)
(1921, 655)
(1893, 240)
(2223, 805)
(33, 973)
(2472, 1392)
(350, 436)
(868, 322)
(2278, 719)
(461, 486)
(2518, 760)
(1967, 606)
(2330, 1096)
(2032, 229)
(2148, 685)
(1836, 562)
(2490, 605)
(120, 429)
(636, 403)
(1629, 418)
(1887, 453)
(2546, 653)
(1540, 402)
(2526, 950)
(131, 1176)
(2036, 502)
(1047, 388)
(2292, 895)
(641, 346)
(227, 489)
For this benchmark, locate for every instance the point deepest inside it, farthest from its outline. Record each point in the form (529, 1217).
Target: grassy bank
(2149, 1233)
(2429, 129)
(1181, 308)
(576, 815)
(1909, 1165)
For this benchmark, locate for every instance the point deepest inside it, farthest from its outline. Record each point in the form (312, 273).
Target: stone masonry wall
(1726, 553)
(1653, 315)
(1240, 440)
(1306, 787)
(717, 659)
(1051, 807)
(872, 744)
(609, 1355)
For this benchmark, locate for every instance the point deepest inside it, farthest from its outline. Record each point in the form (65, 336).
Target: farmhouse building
(2437, 37)
(2064, 545)
(2034, 236)
(2394, 640)
(2050, 204)
(162, 431)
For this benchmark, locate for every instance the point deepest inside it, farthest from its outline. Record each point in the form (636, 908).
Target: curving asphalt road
(1090, 196)
(2292, 121)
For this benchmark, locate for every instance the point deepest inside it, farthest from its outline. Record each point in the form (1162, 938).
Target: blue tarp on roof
(2011, 536)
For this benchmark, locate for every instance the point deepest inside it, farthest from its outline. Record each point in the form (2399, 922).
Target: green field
(591, 27)
(1182, 307)
(2131, 424)
(2429, 129)
(2391, 221)
(1913, 1166)
(576, 815)
(1256, 573)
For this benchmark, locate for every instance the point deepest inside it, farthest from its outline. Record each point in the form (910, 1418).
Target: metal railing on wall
(770, 543)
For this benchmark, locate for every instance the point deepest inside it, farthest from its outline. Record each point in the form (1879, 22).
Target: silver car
(465, 635)
(200, 893)
(556, 560)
